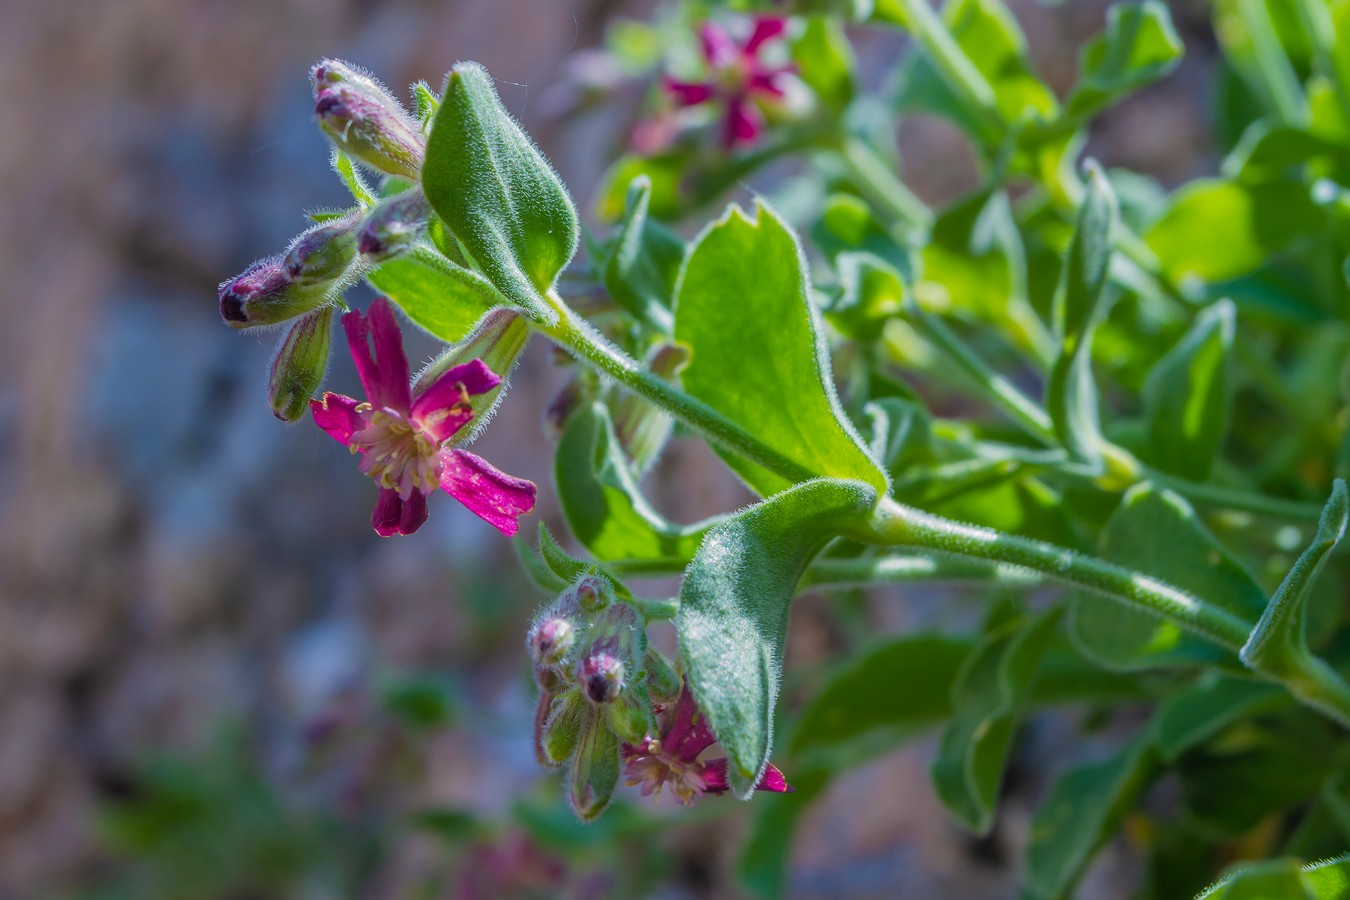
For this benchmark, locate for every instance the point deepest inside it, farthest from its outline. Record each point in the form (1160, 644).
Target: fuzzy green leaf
(497, 194)
(440, 297)
(1284, 879)
(645, 260)
(758, 352)
(733, 615)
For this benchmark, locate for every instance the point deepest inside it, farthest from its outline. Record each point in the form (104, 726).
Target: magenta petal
(435, 410)
(384, 375)
(688, 734)
(689, 93)
(775, 781)
(495, 497)
(715, 777)
(414, 513)
(388, 513)
(336, 414)
(765, 82)
(718, 47)
(742, 123)
(766, 28)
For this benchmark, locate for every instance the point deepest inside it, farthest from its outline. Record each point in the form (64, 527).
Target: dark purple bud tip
(370, 245)
(261, 280)
(601, 676)
(330, 105)
(232, 307)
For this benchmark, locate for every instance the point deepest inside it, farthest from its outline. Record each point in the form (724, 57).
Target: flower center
(652, 768)
(398, 455)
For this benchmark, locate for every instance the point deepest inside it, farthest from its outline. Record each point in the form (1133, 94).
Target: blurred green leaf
(824, 61)
(988, 697)
(871, 293)
(1081, 301)
(757, 352)
(1188, 397)
(1266, 152)
(847, 226)
(733, 615)
(1192, 716)
(602, 502)
(1138, 47)
(1218, 229)
(644, 261)
(1084, 808)
(495, 191)
(1156, 532)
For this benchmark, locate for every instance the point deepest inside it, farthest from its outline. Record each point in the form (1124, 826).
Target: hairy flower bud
(562, 730)
(264, 294)
(551, 639)
(394, 225)
(601, 676)
(322, 254)
(594, 593)
(299, 365)
(595, 768)
(617, 644)
(642, 427)
(366, 121)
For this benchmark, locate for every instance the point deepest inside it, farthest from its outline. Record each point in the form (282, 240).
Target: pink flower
(673, 758)
(404, 439)
(738, 76)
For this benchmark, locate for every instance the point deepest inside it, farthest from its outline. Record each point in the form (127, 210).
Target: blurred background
(215, 680)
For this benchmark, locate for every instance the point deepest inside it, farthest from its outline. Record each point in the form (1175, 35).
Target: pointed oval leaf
(496, 193)
(443, 299)
(645, 260)
(758, 352)
(733, 615)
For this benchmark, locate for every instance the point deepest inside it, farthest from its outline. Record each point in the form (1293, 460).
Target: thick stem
(881, 186)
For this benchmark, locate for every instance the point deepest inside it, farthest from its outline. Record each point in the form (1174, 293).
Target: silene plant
(1118, 413)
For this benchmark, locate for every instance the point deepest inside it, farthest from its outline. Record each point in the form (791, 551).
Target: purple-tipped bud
(394, 225)
(328, 72)
(594, 593)
(366, 122)
(301, 360)
(601, 677)
(562, 729)
(323, 254)
(551, 640)
(595, 767)
(264, 294)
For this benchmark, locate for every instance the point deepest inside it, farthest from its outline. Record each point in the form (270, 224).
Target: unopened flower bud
(366, 121)
(594, 593)
(322, 254)
(662, 678)
(264, 294)
(562, 730)
(394, 225)
(551, 639)
(301, 360)
(601, 676)
(595, 768)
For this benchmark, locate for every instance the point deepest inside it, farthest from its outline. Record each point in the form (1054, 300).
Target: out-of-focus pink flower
(403, 439)
(673, 757)
(737, 77)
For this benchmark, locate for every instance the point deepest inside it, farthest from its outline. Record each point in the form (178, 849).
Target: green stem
(956, 69)
(1277, 78)
(579, 338)
(881, 186)
(897, 525)
(657, 609)
(907, 568)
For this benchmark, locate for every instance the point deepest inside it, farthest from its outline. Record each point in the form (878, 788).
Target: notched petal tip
(492, 495)
(337, 416)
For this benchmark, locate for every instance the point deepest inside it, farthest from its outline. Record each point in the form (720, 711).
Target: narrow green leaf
(1157, 532)
(1188, 397)
(538, 571)
(351, 178)
(1083, 809)
(496, 192)
(758, 351)
(871, 293)
(1278, 645)
(733, 615)
(1071, 394)
(561, 563)
(988, 698)
(858, 712)
(440, 297)
(1139, 46)
(1267, 152)
(645, 260)
(1278, 879)
(602, 502)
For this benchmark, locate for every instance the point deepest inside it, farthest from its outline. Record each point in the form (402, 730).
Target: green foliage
(497, 194)
(1284, 878)
(644, 261)
(440, 297)
(1139, 46)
